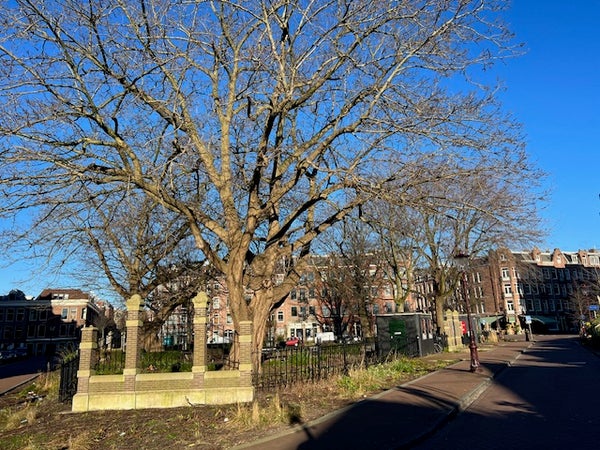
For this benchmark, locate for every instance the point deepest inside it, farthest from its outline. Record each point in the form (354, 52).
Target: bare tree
(260, 123)
(349, 278)
(488, 209)
(135, 245)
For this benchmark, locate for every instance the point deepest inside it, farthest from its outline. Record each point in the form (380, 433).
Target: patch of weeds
(19, 442)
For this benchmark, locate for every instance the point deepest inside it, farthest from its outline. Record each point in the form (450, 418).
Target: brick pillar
(200, 302)
(246, 352)
(133, 344)
(88, 357)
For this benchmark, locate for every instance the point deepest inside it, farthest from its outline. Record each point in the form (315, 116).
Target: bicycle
(438, 346)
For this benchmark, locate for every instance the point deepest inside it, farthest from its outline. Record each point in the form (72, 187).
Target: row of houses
(557, 290)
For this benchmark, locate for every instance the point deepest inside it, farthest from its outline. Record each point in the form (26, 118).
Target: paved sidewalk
(15, 374)
(402, 416)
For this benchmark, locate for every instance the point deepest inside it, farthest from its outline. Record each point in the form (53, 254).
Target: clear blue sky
(554, 90)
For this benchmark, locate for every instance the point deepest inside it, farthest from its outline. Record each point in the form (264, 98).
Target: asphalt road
(548, 399)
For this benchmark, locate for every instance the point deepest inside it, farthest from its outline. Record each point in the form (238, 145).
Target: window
(529, 304)
(505, 273)
(41, 331)
(293, 294)
(279, 316)
(1, 314)
(10, 314)
(33, 315)
(326, 311)
(476, 277)
(546, 272)
(311, 292)
(20, 315)
(294, 311)
(510, 306)
(64, 314)
(507, 290)
(229, 319)
(216, 303)
(8, 333)
(303, 311)
(302, 294)
(73, 313)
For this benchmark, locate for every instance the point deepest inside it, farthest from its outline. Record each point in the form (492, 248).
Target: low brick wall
(135, 390)
(163, 390)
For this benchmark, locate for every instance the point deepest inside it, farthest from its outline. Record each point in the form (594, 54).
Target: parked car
(293, 342)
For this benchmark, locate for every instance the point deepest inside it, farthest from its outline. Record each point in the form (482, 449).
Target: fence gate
(68, 379)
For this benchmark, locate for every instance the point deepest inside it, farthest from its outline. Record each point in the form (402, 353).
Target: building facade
(558, 289)
(47, 324)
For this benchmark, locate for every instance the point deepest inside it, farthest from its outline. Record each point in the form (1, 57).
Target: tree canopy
(259, 123)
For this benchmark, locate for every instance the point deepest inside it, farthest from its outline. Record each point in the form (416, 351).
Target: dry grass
(42, 424)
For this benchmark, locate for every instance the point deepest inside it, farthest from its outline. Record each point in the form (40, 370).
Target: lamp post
(461, 260)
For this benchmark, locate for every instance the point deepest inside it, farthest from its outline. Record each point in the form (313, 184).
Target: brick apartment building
(556, 289)
(47, 324)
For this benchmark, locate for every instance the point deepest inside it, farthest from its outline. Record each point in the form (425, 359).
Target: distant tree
(490, 208)
(349, 277)
(260, 124)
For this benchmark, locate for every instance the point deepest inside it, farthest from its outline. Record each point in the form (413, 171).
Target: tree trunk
(261, 305)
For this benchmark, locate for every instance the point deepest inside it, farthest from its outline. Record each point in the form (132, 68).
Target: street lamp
(462, 260)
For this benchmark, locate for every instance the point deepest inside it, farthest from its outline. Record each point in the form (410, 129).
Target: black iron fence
(110, 362)
(68, 378)
(284, 366)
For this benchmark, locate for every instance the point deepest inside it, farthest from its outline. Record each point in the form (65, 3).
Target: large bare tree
(261, 123)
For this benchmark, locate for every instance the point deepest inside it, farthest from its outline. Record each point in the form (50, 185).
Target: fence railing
(68, 378)
(284, 366)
